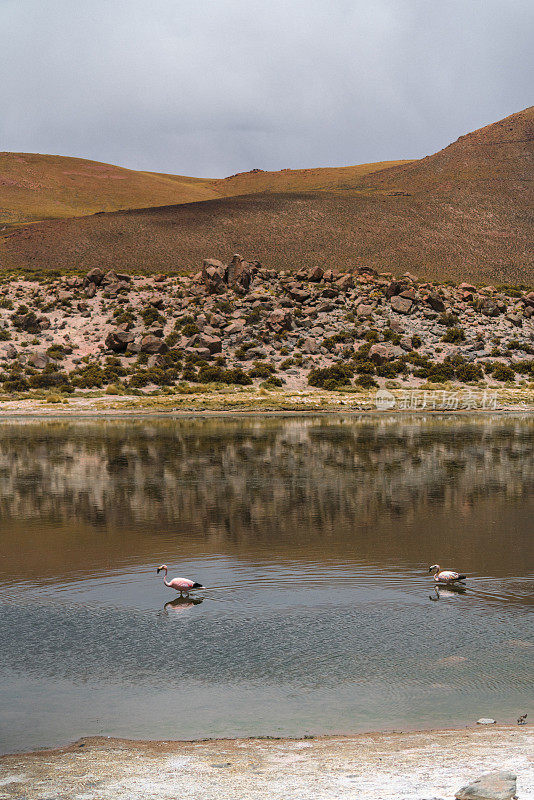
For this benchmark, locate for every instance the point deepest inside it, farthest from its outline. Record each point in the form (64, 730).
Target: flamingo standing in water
(182, 585)
(446, 575)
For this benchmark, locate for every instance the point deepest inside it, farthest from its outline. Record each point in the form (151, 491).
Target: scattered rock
(402, 305)
(95, 276)
(152, 344)
(38, 360)
(493, 786)
(486, 721)
(118, 341)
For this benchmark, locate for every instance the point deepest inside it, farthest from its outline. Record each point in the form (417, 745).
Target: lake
(313, 537)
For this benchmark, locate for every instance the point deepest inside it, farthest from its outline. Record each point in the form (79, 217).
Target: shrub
(339, 373)
(449, 320)
(366, 381)
(416, 341)
(4, 335)
(58, 351)
(16, 384)
(502, 372)
(454, 335)
(88, 377)
(261, 370)
(51, 379)
(365, 367)
(172, 338)
(466, 373)
(190, 329)
(150, 315)
(272, 382)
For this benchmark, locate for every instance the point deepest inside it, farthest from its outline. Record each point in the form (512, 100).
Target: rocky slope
(245, 324)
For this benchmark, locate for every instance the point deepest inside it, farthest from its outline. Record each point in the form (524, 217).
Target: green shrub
(365, 367)
(416, 341)
(19, 384)
(261, 370)
(502, 372)
(454, 335)
(51, 379)
(58, 351)
(340, 374)
(172, 338)
(88, 377)
(4, 335)
(449, 320)
(366, 381)
(190, 329)
(273, 382)
(150, 315)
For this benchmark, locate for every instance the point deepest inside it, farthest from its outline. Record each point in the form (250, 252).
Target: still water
(313, 537)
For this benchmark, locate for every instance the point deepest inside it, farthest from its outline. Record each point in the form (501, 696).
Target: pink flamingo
(182, 585)
(446, 575)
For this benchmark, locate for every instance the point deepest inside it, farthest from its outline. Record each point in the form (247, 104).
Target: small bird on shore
(446, 575)
(182, 585)
(521, 719)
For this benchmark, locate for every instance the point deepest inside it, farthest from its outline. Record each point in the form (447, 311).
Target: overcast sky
(213, 87)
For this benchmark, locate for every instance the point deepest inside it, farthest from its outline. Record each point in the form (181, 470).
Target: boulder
(235, 327)
(384, 351)
(315, 274)
(118, 341)
(493, 786)
(10, 351)
(110, 277)
(280, 317)
(38, 360)
(364, 310)
(435, 302)
(95, 276)
(402, 305)
(345, 282)
(239, 274)
(394, 288)
(90, 290)
(153, 344)
(213, 275)
(211, 343)
(310, 346)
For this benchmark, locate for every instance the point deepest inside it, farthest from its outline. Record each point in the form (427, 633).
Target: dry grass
(35, 187)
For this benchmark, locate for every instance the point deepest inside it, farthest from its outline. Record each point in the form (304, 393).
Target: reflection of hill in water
(230, 474)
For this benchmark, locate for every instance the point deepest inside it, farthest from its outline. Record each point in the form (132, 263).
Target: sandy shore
(390, 766)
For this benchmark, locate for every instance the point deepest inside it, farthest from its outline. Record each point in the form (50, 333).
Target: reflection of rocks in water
(229, 475)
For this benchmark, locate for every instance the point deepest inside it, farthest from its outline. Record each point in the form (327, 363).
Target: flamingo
(182, 585)
(446, 575)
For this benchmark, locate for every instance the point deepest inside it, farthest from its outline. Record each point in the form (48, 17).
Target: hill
(35, 187)
(464, 213)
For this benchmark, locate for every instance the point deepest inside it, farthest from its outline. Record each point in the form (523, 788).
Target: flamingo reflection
(442, 592)
(181, 604)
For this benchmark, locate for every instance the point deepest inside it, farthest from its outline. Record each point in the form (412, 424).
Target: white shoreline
(418, 765)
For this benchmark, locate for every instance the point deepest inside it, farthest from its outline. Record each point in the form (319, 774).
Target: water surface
(313, 537)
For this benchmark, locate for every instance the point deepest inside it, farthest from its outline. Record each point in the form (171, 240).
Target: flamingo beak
(157, 571)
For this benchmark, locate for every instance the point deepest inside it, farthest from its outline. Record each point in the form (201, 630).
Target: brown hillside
(35, 187)
(298, 180)
(464, 213)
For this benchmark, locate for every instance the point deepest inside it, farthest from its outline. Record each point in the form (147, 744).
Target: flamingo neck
(165, 581)
(436, 573)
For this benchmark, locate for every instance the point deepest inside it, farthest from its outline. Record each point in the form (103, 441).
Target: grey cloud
(214, 87)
